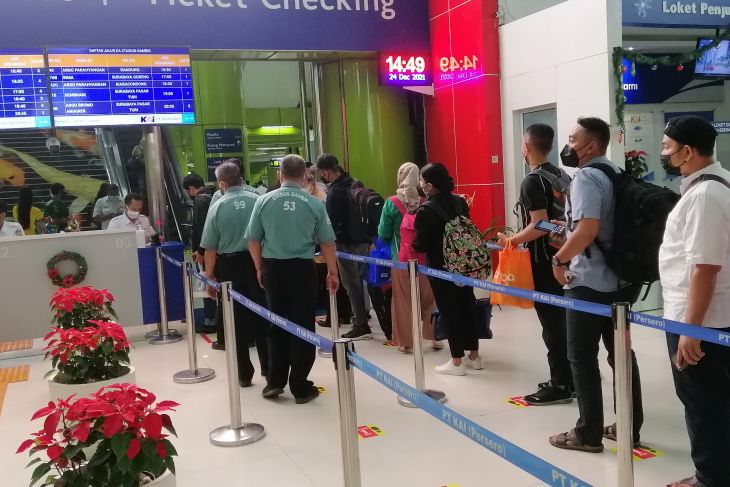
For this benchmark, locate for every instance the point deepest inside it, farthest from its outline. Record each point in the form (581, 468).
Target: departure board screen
(120, 86)
(23, 90)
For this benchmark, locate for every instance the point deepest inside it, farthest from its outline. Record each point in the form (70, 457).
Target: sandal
(569, 441)
(405, 349)
(609, 432)
(688, 482)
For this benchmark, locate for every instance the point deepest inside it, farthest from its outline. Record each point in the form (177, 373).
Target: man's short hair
(132, 197)
(293, 166)
(541, 136)
(328, 162)
(193, 180)
(229, 172)
(597, 129)
(57, 188)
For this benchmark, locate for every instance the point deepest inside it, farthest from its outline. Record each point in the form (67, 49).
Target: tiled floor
(301, 448)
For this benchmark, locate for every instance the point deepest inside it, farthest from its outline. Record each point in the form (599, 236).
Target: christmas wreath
(69, 280)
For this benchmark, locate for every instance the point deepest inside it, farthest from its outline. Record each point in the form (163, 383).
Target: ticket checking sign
(23, 90)
(120, 86)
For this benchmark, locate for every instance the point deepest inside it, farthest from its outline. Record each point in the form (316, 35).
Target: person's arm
(329, 251)
(210, 258)
(386, 227)
(338, 210)
(701, 290)
(529, 233)
(254, 247)
(424, 232)
(585, 233)
(200, 212)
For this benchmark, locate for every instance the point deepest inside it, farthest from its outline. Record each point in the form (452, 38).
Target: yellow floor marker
(15, 374)
(15, 346)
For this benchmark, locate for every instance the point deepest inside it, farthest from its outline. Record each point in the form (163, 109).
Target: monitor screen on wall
(715, 63)
(23, 90)
(99, 86)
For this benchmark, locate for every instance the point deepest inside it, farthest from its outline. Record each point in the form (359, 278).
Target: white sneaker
(450, 369)
(475, 364)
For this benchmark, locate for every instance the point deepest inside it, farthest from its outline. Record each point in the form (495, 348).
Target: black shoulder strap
(709, 177)
(606, 169)
(438, 210)
(552, 178)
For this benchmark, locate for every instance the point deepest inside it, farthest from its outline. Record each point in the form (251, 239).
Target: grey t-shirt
(591, 196)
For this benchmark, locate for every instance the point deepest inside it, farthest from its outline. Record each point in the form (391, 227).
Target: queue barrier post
(417, 329)
(237, 432)
(348, 413)
(624, 413)
(194, 374)
(334, 323)
(163, 335)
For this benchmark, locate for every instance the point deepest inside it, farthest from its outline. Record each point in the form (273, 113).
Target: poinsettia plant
(635, 162)
(75, 307)
(98, 352)
(121, 421)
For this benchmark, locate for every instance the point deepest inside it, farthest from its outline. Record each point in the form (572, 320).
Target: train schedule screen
(23, 90)
(120, 86)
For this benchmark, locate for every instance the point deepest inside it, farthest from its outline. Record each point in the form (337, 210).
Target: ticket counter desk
(115, 263)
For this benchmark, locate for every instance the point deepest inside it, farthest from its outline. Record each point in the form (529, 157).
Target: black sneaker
(550, 394)
(310, 396)
(245, 383)
(359, 334)
(545, 385)
(218, 346)
(272, 392)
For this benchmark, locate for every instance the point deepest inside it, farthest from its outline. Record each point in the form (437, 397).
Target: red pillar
(464, 126)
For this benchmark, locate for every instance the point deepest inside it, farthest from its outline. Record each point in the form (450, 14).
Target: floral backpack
(465, 251)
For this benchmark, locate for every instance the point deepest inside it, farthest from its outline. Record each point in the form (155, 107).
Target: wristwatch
(556, 262)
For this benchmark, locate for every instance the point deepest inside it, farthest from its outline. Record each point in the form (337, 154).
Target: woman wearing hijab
(456, 304)
(406, 201)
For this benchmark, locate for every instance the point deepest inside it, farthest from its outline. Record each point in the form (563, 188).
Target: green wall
(379, 134)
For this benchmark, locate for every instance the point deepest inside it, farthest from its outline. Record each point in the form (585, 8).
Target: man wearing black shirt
(537, 203)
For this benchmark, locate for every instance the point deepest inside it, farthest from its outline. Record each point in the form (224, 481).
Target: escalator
(85, 159)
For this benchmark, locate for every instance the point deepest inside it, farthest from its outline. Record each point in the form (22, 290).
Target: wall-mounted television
(715, 63)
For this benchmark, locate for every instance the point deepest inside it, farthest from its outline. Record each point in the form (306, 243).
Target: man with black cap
(694, 263)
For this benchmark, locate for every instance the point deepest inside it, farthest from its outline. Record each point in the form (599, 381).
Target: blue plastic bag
(379, 275)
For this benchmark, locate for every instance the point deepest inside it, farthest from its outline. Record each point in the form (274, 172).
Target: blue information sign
(676, 13)
(214, 162)
(223, 141)
(120, 86)
(23, 89)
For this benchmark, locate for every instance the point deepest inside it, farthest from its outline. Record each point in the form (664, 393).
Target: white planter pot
(57, 390)
(167, 480)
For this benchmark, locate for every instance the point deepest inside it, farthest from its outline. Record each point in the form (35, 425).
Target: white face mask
(133, 215)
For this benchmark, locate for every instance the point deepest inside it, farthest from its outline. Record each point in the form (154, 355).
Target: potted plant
(86, 359)
(635, 162)
(123, 427)
(74, 308)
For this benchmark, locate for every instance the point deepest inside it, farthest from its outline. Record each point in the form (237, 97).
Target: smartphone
(546, 226)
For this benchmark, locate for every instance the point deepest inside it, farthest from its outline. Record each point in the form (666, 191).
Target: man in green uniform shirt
(227, 259)
(285, 226)
(56, 208)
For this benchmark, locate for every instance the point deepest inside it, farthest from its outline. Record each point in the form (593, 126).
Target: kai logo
(642, 6)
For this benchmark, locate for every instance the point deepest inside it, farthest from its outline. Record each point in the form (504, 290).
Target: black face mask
(569, 156)
(672, 171)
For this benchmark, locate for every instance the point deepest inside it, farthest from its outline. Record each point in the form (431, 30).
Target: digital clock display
(454, 69)
(405, 70)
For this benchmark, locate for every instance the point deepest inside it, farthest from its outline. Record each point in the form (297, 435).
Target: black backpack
(559, 184)
(640, 218)
(366, 205)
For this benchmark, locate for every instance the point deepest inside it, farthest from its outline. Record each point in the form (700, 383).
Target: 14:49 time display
(452, 64)
(412, 64)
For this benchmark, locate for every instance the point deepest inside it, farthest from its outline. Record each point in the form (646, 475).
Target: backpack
(640, 218)
(407, 234)
(365, 208)
(465, 251)
(560, 184)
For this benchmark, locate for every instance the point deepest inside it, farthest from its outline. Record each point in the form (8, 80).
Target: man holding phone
(538, 205)
(694, 264)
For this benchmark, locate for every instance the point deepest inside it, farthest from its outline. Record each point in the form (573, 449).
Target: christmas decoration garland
(69, 280)
(619, 54)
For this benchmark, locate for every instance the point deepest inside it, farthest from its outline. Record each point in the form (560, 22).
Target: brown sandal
(609, 432)
(569, 441)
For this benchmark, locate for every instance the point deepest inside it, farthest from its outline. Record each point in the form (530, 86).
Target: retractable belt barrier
(172, 261)
(517, 456)
(702, 333)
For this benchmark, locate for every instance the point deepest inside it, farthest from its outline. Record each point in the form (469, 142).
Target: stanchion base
(438, 396)
(324, 354)
(191, 377)
(151, 334)
(227, 436)
(172, 337)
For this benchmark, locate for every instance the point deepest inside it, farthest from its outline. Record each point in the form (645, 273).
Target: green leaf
(72, 450)
(33, 462)
(170, 464)
(149, 449)
(170, 449)
(39, 472)
(120, 445)
(124, 463)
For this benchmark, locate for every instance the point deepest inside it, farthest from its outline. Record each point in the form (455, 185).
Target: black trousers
(585, 332)
(457, 306)
(552, 319)
(381, 299)
(291, 290)
(704, 389)
(240, 270)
